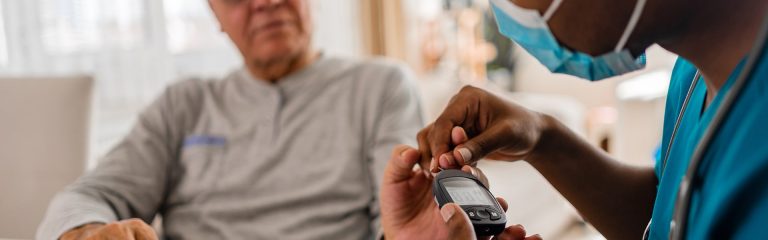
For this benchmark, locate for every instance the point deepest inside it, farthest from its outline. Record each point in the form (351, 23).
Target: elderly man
(292, 146)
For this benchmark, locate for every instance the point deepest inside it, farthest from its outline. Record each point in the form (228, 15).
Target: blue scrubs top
(730, 197)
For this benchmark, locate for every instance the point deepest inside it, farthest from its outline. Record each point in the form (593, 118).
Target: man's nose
(265, 4)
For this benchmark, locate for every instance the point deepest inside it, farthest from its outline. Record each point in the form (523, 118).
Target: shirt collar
(290, 82)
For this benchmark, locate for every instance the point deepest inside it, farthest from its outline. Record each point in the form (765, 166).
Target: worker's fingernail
(466, 155)
(447, 212)
(444, 162)
(451, 160)
(433, 165)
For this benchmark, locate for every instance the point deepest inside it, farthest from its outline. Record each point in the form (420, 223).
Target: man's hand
(409, 210)
(131, 229)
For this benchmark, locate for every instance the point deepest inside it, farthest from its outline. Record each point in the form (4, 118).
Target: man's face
(266, 31)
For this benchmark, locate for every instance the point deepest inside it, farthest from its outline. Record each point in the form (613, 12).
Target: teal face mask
(530, 30)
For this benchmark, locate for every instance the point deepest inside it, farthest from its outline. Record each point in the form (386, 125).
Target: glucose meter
(464, 189)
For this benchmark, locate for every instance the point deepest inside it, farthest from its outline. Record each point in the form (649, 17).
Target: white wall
(531, 76)
(637, 127)
(337, 27)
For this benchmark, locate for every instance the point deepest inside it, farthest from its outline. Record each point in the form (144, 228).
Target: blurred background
(74, 74)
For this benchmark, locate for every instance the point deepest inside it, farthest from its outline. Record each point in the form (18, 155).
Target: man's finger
(503, 203)
(127, 231)
(477, 173)
(114, 229)
(534, 237)
(141, 230)
(458, 223)
(514, 232)
(144, 233)
(131, 229)
(400, 166)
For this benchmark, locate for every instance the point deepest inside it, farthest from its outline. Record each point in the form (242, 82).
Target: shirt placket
(269, 122)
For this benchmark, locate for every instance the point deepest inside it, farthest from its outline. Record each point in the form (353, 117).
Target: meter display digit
(467, 193)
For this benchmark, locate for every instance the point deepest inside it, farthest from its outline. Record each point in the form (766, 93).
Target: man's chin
(275, 56)
(272, 50)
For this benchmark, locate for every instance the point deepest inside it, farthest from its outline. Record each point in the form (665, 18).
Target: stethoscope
(677, 226)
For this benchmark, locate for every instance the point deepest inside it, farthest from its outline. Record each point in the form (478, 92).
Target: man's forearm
(615, 197)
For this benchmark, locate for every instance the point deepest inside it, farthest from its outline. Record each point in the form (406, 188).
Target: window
(194, 38)
(3, 40)
(191, 27)
(76, 26)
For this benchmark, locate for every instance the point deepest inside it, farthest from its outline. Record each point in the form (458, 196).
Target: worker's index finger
(440, 137)
(424, 150)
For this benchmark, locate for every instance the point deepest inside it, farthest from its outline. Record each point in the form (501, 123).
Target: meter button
(482, 213)
(472, 214)
(494, 215)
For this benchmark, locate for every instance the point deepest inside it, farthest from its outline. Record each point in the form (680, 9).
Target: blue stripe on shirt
(206, 140)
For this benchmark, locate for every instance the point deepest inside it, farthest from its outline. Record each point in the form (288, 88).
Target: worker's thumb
(458, 223)
(479, 146)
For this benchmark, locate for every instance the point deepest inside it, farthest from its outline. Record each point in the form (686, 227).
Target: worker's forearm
(616, 198)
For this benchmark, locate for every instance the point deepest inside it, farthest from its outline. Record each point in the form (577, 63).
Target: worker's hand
(132, 229)
(490, 127)
(408, 208)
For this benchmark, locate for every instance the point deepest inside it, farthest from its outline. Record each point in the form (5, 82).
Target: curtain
(384, 30)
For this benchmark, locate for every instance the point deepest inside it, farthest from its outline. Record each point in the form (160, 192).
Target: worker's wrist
(81, 232)
(553, 135)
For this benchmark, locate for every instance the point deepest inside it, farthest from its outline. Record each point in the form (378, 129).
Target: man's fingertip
(447, 212)
(410, 155)
(520, 226)
(403, 149)
(399, 150)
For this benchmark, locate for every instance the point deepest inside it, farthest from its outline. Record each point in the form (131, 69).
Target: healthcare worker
(713, 181)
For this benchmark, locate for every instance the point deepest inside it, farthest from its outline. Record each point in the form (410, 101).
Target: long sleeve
(398, 122)
(132, 179)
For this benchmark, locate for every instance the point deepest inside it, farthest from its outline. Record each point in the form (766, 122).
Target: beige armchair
(43, 146)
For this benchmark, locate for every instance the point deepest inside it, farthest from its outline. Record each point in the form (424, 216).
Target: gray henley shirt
(241, 158)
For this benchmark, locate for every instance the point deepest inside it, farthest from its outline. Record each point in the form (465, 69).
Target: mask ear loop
(551, 9)
(631, 25)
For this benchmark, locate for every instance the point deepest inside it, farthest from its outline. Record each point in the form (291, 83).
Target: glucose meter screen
(467, 192)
